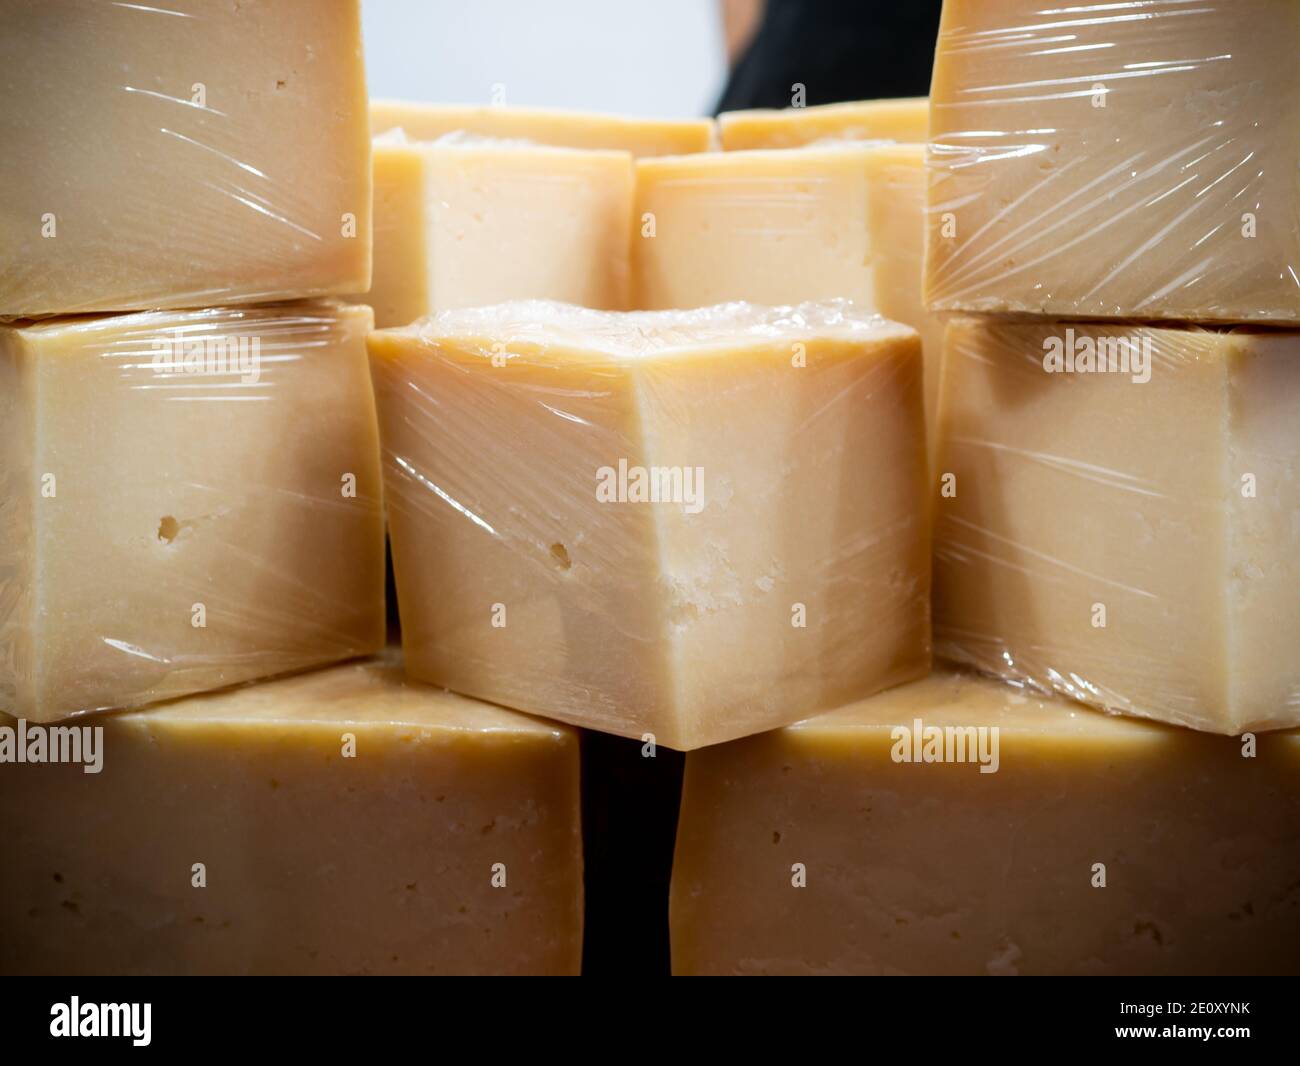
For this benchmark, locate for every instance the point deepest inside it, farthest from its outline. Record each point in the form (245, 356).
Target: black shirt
(850, 50)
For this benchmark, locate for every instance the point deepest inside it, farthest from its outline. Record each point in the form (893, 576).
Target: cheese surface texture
(692, 525)
(1112, 160)
(565, 129)
(896, 188)
(868, 841)
(905, 120)
(191, 499)
(770, 227)
(831, 221)
(189, 156)
(464, 222)
(1129, 537)
(340, 822)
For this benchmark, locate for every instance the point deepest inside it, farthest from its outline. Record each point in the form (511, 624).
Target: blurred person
(861, 50)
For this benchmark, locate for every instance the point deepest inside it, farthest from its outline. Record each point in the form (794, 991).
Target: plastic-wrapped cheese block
(960, 826)
(464, 222)
(906, 120)
(182, 155)
(191, 499)
(696, 525)
(1118, 516)
(565, 129)
(770, 227)
(341, 821)
(1104, 160)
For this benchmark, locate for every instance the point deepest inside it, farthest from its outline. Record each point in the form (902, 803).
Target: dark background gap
(629, 826)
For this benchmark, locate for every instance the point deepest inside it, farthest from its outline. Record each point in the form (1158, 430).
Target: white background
(639, 57)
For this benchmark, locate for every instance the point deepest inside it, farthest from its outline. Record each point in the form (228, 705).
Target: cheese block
(771, 227)
(181, 156)
(463, 222)
(961, 826)
(906, 120)
(335, 822)
(565, 129)
(191, 499)
(692, 525)
(1118, 517)
(896, 189)
(1101, 161)
(778, 226)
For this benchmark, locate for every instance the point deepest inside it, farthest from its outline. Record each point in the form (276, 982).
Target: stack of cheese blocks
(667, 420)
(1113, 245)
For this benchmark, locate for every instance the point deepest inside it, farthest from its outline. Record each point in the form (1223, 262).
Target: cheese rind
(1133, 544)
(347, 822)
(469, 222)
(564, 129)
(932, 867)
(784, 567)
(1146, 169)
(193, 501)
(185, 157)
(904, 120)
(769, 227)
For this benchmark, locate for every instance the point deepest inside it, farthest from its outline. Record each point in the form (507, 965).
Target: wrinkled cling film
(1132, 160)
(1121, 518)
(188, 500)
(185, 155)
(783, 569)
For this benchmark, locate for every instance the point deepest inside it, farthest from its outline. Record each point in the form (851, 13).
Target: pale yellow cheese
(566, 129)
(1131, 543)
(896, 188)
(905, 120)
(784, 567)
(1109, 160)
(400, 281)
(814, 850)
(191, 499)
(468, 222)
(346, 822)
(771, 227)
(181, 155)
(786, 226)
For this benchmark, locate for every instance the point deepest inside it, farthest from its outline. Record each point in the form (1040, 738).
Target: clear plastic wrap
(188, 500)
(1117, 160)
(695, 525)
(183, 155)
(1118, 516)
